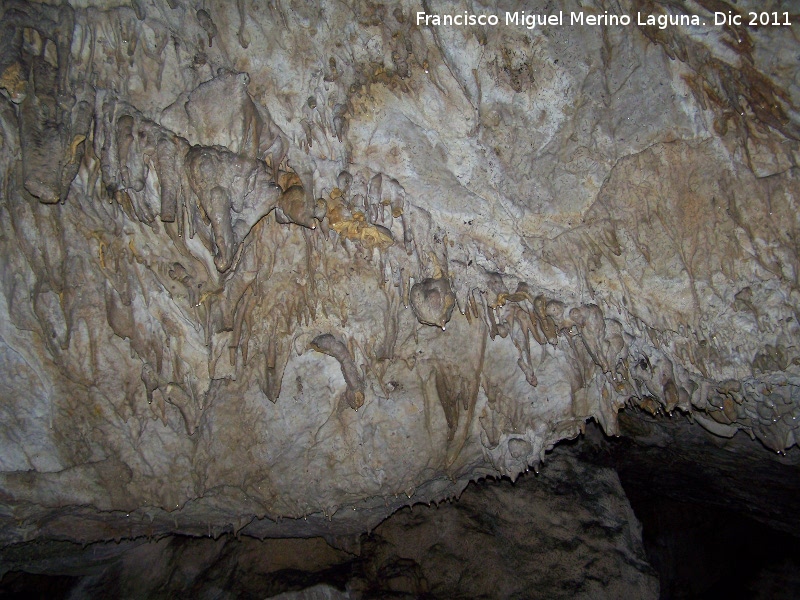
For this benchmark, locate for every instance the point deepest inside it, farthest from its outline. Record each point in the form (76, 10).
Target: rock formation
(280, 269)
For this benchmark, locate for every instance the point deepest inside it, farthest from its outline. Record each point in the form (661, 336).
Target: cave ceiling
(282, 267)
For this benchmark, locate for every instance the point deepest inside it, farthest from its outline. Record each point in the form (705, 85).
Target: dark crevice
(719, 519)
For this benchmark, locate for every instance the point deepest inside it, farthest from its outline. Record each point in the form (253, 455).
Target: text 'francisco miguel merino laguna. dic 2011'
(662, 21)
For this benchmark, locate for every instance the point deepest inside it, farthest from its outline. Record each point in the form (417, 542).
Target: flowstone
(223, 228)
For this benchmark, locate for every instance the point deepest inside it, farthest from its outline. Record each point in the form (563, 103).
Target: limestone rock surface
(610, 212)
(567, 532)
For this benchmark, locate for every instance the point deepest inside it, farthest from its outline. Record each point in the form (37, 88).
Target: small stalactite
(204, 19)
(241, 34)
(328, 344)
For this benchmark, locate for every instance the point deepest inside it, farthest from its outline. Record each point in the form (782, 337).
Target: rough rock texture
(568, 532)
(612, 211)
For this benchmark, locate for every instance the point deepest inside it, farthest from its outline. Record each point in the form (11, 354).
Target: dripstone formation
(282, 268)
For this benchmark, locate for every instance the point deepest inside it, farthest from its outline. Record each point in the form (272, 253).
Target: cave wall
(282, 268)
(568, 532)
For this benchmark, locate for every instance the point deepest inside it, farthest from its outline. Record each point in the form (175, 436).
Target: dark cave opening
(708, 552)
(719, 517)
(21, 585)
